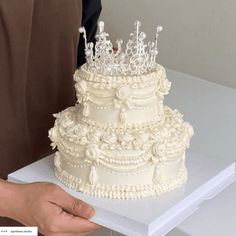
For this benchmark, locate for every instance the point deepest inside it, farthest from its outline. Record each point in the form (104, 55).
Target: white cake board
(153, 216)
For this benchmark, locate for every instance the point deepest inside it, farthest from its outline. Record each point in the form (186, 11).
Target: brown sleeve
(38, 45)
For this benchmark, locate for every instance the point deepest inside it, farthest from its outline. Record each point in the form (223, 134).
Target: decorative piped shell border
(84, 74)
(170, 139)
(121, 191)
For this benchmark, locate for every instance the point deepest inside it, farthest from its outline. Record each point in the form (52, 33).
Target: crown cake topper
(137, 59)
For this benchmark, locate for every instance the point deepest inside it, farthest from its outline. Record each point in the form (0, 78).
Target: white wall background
(199, 36)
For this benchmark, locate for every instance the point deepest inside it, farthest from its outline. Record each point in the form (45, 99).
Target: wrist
(9, 198)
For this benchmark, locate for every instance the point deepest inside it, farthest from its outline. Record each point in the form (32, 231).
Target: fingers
(72, 205)
(80, 208)
(65, 222)
(79, 225)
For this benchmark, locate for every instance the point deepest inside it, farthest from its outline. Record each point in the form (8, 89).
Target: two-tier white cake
(120, 141)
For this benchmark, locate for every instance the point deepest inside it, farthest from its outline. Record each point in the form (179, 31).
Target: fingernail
(89, 212)
(83, 209)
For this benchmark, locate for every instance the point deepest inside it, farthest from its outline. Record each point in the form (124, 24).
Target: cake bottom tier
(123, 163)
(115, 185)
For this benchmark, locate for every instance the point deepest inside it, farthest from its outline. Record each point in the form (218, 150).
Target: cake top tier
(138, 58)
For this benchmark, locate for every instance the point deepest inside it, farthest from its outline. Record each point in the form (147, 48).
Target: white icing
(120, 141)
(93, 177)
(57, 160)
(92, 152)
(123, 189)
(103, 102)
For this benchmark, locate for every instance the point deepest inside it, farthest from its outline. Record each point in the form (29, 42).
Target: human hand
(46, 205)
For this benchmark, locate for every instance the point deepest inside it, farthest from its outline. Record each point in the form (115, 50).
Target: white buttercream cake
(119, 140)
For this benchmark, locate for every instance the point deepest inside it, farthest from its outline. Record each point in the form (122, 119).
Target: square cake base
(152, 216)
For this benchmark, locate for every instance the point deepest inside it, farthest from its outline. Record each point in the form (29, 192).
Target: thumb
(72, 205)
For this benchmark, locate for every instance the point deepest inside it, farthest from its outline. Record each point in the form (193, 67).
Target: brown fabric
(38, 49)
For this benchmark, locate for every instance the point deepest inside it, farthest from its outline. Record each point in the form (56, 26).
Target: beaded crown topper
(138, 58)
